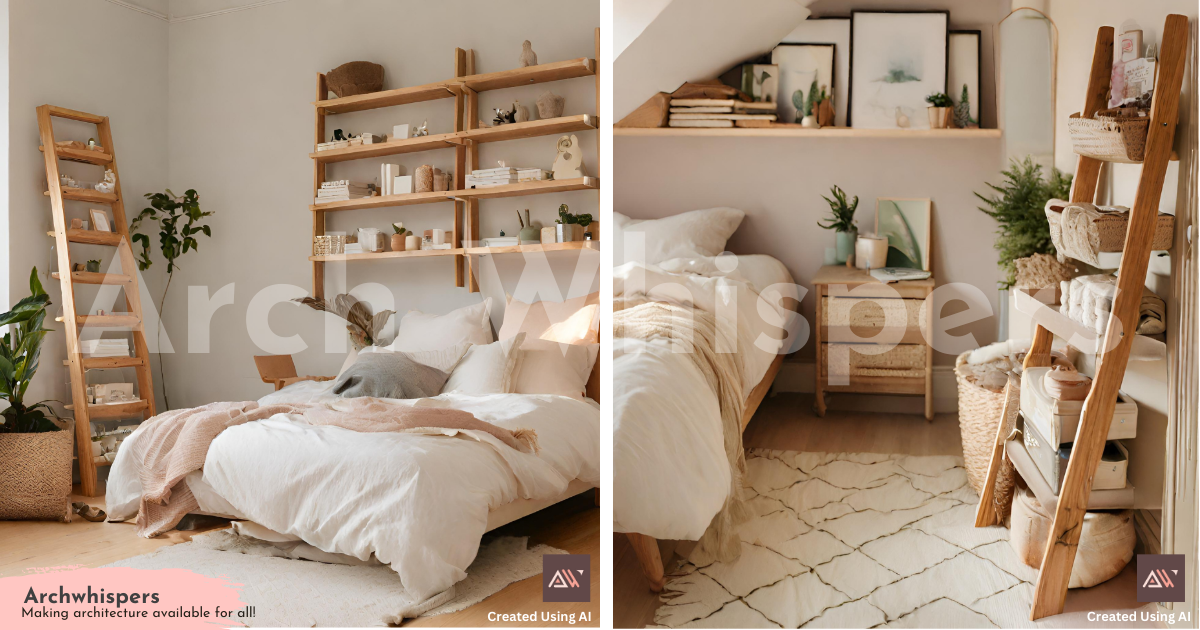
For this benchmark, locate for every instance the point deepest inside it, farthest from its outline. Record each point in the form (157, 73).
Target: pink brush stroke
(176, 588)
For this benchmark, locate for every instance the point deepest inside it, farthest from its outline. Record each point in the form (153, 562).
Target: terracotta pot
(397, 242)
(35, 475)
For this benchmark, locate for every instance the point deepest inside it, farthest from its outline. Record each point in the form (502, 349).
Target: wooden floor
(786, 422)
(572, 525)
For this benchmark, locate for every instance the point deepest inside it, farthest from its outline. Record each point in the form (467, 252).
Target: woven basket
(35, 475)
(980, 411)
(1112, 136)
(329, 244)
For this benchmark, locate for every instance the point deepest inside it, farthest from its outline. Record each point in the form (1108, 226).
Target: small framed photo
(99, 220)
(907, 225)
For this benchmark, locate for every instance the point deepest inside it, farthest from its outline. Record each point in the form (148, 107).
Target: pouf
(1105, 546)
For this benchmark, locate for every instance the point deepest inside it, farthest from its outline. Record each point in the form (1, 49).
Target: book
(722, 117)
(699, 123)
(898, 274)
(494, 171)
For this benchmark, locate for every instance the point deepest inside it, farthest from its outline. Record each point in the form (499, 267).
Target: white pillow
(546, 369)
(421, 331)
(687, 235)
(487, 369)
(443, 359)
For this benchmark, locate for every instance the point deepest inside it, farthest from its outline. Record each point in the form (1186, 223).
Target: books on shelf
(343, 190)
(488, 178)
(532, 175)
(708, 112)
(387, 178)
(104, 347)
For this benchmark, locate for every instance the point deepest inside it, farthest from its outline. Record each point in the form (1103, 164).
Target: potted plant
(93, 266)
(1019, 208)
(398, 237)
(570, 226)
(841, 220)
(940, 109)
(35, 451)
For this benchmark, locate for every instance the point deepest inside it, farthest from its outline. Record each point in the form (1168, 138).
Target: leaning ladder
(127, 280)
(1055, 573)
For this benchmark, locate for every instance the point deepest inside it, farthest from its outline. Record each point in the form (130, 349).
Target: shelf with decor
(1080, 337)
(573, 246)
(800, 132)
(464, 88)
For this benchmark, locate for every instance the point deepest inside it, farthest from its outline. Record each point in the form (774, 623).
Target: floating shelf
(88, 277)
(800, 132)
(531, 129)
(108, 321)
(86, 194)
(86, 156)
(1082, 338)
(380, 149)
(1122, 499)
(528, 249)
(382, 201)
(92, 237)
(516, 77)
(420, 253)
(509, 190)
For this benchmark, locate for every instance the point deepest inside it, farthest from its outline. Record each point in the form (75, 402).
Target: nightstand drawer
(867, 313)
(901, 361)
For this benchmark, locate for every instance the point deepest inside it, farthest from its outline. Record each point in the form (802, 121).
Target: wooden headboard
(593, 384)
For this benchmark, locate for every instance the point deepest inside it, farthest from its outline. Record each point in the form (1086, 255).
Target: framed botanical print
(897, 58)
(805, 73)
(962, 77)
(906, 224)
(836, 31)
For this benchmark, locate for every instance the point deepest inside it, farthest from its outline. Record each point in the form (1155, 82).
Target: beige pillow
(555, 368)
(487, 369)
(574, 321)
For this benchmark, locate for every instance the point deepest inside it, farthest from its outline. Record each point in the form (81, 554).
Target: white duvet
(671, 475)
(419, 503)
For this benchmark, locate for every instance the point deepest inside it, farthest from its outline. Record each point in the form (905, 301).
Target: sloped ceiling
(688, 40)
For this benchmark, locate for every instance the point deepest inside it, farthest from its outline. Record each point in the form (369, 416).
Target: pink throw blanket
(175, 443)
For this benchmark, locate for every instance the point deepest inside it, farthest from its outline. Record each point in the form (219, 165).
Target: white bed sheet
(419, 503)
(671, 475)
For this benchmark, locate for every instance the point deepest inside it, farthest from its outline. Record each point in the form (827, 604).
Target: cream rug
(303, 593)
(858, 540)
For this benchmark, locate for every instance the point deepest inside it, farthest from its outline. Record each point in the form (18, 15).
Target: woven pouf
(35, 475)
(1105, 546)
(980, 412)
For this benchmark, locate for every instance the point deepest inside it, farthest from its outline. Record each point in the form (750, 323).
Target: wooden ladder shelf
(127, 280)
(1063, 541)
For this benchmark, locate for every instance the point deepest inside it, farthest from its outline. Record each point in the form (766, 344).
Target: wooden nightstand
(850, 330)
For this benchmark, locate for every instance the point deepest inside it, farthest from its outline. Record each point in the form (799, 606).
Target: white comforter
(417, 502)
(671, 475)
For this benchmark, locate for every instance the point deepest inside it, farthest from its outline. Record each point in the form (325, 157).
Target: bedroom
(879, 464)
(398, 184)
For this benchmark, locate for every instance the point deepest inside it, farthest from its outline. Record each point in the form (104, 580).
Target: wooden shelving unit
(1144, 348)
(797, 132)
(531, 249)
(464, 88)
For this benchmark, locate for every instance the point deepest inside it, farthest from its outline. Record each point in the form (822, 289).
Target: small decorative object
(802, 67)
(402, 184)
(963, 77)
(364, 328)
(568, 164)
(940, 108)
(549, 235)
(441, 180)
(529, 233)
(896, 57)
(422, 131)
(906, 225)
(412, 242)
(841, 220)
(570, 227)
(1065, 384)
(825, 110)
(109, 185)
(810, 122)
(759, 81)
(99, 220)
(501, 231)
(338, 136)
(438, 236)
(870, 251)
(370, 239)
(76, 224)
(504, 118)
(92, 144)
(399, 233)
(424, 178)
(399, 131)
(528, 57)
(355, 77)
(902, 120)
(550, 105)
(522, 112)
(93, 266)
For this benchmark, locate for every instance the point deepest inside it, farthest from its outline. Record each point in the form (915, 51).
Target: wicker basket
(329, 244)
(1114, 135)
(35, 475)
(980, 411)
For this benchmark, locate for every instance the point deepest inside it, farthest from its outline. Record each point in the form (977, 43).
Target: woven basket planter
(980, 411)
(35, 475)
(1110, 136)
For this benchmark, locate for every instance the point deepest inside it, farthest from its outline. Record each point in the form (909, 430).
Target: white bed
(419, 503)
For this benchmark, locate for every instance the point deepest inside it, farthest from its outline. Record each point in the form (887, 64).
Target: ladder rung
(87, 156)
(108, 321)
(108, 363)
(62, 112)
(89, 277)
(92, 237)
(116, 410)
(86, 194)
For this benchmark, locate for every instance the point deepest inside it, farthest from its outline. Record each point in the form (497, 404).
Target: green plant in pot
(841, 220)
(1020, 208)
(35, 452)
(93, 266)
(399, 232)
(940, 109)
(571, 226)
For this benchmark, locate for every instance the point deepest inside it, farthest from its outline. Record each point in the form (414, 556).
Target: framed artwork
(897, 58)
(804, 69)
(829, 30)
(963, 77)
(906, 223)
(99, 220)
(760, 81)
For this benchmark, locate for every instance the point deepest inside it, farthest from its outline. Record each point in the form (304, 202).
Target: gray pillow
(389, 375)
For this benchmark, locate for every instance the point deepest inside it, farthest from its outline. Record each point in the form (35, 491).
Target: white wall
(127, 83)
(241, 122)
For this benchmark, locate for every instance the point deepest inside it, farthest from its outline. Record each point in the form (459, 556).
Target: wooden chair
(280, 371)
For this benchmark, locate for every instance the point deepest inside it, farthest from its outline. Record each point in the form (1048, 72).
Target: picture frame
(963, 71)
(99, 220)
(800, 65)
(907, 223)
(829, 30)
(758, 80)
(897, 58)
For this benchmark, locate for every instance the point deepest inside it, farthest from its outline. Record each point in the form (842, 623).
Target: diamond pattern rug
(857, 540)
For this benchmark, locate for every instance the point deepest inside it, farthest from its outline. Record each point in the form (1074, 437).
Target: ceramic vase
(412, 243)
(845, 246)
(423, 180)
(397, 242)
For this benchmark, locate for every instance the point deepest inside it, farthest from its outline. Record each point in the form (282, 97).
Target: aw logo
(1160, 578)
(566, 578)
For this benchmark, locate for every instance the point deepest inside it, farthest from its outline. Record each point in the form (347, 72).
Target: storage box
(1052, 462)
(1058, 420)
(402, 185)
(1083, 231)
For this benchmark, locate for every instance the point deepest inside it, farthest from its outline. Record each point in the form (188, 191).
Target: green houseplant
(570, 226)
(35, 452)
(940, 109)
(1019, 208)
(841, 220)
(178, 218)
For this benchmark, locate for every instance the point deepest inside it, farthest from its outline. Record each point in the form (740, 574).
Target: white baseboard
(800, 377)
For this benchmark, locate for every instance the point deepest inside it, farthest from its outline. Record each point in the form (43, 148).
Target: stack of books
(343, 190)
(488, 178)
(387, 179)
(104, 347)
(532, 174)
(709, 112)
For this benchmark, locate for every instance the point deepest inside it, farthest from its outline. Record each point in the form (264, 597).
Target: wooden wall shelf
(419, 253)
(472, 251)
(496, 192)
(1144, 348)
(798, 132)
(86, 156)
(529, 249)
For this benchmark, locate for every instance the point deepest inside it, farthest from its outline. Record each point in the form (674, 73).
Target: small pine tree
(1020, 210)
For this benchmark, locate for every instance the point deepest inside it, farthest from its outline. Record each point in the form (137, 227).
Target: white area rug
(857, 540)
(303, 593)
